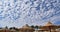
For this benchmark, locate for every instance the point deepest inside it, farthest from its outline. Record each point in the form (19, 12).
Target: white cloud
(27, 13)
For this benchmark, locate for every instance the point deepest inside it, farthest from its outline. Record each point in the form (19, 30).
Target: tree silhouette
(32, 26)
(36, 27)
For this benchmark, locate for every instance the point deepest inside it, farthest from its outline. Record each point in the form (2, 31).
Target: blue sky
(16, 13)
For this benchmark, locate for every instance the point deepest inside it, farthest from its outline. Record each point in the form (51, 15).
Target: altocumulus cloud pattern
(33, 12)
